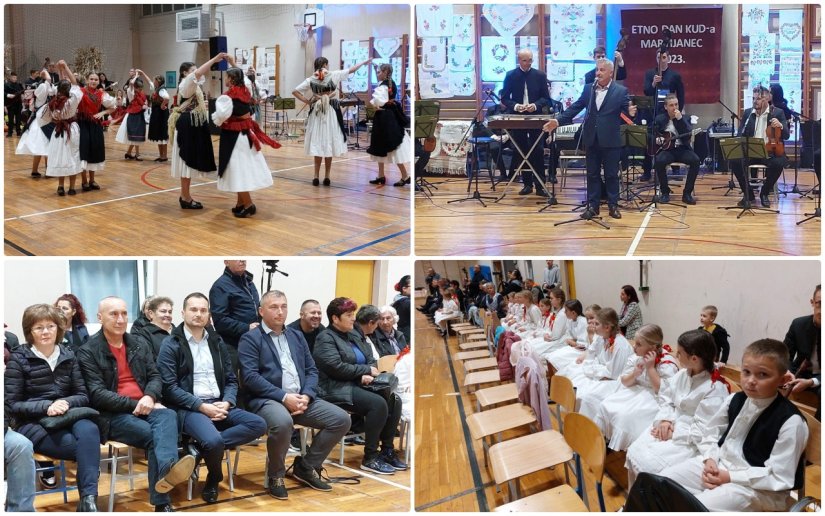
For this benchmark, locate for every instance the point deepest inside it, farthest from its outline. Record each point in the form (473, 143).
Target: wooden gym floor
(389, 493)
(450, 475)
(513, 226)
(137, 213)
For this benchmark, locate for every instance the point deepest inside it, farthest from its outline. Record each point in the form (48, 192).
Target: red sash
(136, 106)
(254, 133)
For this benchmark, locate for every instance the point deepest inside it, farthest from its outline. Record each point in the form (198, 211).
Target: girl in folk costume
(627, 413)
(556, 324)
(325, 137)
(449, 310)
(575, 336)
(192, 150)
(133, 128)
(241, 164)
(533, 319)
(64, 145)
(90, 115)
(35, 138)
(600, 377)
(159, 119)
(687, 401)
(389, 142)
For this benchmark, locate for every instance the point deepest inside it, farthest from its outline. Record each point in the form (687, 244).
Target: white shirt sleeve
(108, 101)
(304, 89)
(223, 110)
(380, 96)
(164, 94)
(187, 86)
(339, 76)
(709, 427)
(779, 470)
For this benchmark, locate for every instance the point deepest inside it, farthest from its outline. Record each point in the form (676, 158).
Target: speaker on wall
(217, 44)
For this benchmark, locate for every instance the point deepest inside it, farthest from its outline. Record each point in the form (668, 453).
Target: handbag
(67, 419)
(384, 385)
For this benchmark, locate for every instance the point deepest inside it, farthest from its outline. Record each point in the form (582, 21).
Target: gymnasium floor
(513, 226)
(372, 493)
(137, 212)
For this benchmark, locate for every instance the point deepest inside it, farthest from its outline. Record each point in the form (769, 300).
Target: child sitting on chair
(720, 336)
(449, 310)
(751, 452)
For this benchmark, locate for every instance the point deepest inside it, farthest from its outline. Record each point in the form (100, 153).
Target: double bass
(620, 46)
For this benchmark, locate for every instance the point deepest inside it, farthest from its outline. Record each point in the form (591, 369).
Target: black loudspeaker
(217, 44)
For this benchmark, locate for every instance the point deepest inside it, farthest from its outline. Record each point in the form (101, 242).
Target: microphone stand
(470, 130)
(731, 185)
(270, 268)
(796, 116)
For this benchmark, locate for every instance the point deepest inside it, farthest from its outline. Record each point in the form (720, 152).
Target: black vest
(765, 431)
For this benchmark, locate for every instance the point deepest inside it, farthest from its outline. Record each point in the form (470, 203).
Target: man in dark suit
(804, 339)
(280, 379)
(525, 92)
(605, 101)
(755, 122)
(618, 63)
(14, 104)
(673, 123)
(668, 79)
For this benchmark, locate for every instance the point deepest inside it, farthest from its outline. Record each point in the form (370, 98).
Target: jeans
(331, 420)
(19, 473)
(213, 437)
(157, 433)
(80, 444)
(380, 419)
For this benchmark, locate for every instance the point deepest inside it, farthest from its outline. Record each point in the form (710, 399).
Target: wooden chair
(490, 396)
(563, 396)
(480, 364)
(813, 454)
(474, 344)
(472, 355)
(492, 423)
(734, 385)
(117, 452)
(58, 466)
(387, 363)
(518, 457)
(477, 378)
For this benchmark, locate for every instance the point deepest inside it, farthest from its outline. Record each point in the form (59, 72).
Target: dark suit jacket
(603, 123)
(682, 127)
(261, 367)
(747, 129)
(801, 338)
(671, 81)
(512, 92)
(590, 77)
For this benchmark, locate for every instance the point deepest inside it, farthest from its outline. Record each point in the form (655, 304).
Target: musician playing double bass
(755, 124)
(673, 138)
(606, 101)
(525, 93)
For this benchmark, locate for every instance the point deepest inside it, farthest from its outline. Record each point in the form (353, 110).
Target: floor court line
(368, 244)
(641, 231)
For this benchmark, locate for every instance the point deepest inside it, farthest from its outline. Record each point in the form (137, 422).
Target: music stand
(633, 136)
(524, 159)
(283, 104)
(474, 158)
(426, 120)
(743, 148)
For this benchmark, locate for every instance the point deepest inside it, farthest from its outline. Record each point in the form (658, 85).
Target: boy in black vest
(751, 453)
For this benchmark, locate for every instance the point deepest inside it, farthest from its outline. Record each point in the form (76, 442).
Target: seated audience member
(366, 322)
(750, 455)
(495, 301)
(720, 336)
(459, 295)
(804, 344)
(538, 293)
(143, 317)
(476, 304)
(687, 401)
(630, 316)
(403, 371)
(125, 387)
(447, 312)
(199, 383)
(575, 336)
(159, 313)
(629, 411)
(309, 322)
(555, 323)
(599, 377)
(573, 366)
(473, 285)
(401, 303)
(514, 282)
(436, 299)
(345, 363)
(388, 340)
(281, 380)
(17, 454)
(42, 378)
(76, 333)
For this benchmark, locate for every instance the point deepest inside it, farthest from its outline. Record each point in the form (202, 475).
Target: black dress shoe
(614, 212)
(542, 193)
(190, 205)
(87, 503)
(210, 490)
(587, 214)
(36, 174)
(378, 181)
(93, 186)
(164, 507)
(326, 181)
(277, 488)
(60, 191)
(741, 203)
(766, 203)
(316, 182)
(664, 198)
(246, 212)
(688, 199)
(525, 191)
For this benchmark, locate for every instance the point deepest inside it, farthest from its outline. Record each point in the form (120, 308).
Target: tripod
(818, 191)
(270, 268)
(551, 199)
(587, 215)
(743, 149)
(470, 130)
(795, 188)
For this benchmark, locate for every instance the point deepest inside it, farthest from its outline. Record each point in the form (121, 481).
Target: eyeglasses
(40, 329)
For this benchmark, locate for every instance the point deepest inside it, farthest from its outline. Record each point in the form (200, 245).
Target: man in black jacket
(14, 104)
(125, 387)
(234, 303)
(199, 383)
(804, 341)
(309, 322)
(672, 129)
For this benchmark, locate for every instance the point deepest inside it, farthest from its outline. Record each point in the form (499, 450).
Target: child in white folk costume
(133, 128)
(35, 138)
(575, 337)
(553, 338)
(449, 310)
(64, 145)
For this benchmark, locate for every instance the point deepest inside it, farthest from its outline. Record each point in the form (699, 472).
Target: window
(92, 280)
(156, 9)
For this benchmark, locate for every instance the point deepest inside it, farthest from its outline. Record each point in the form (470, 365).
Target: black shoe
(164, 507)
(542, 193)
(741, 203)
(378, 181)
(766, 203)
(295, 441)
(553, 180)
(246, 212)
(210, 490)
(664, 198)
(60, 191)
(389, 456)
(525, 191)
(85, 187)
(71, 191)
(277, 488)
(376, 465)
(645, 177)
(614, 212)
(93, 186)
(36, 174)
(587, 214)
(306, 475)
(189, 205)
(238, 208)
(326, 181)
(47, 479)
(191, 449)
(87, 503)
(316, 182)
(402, 182)
(688, 199)
(354, 440)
